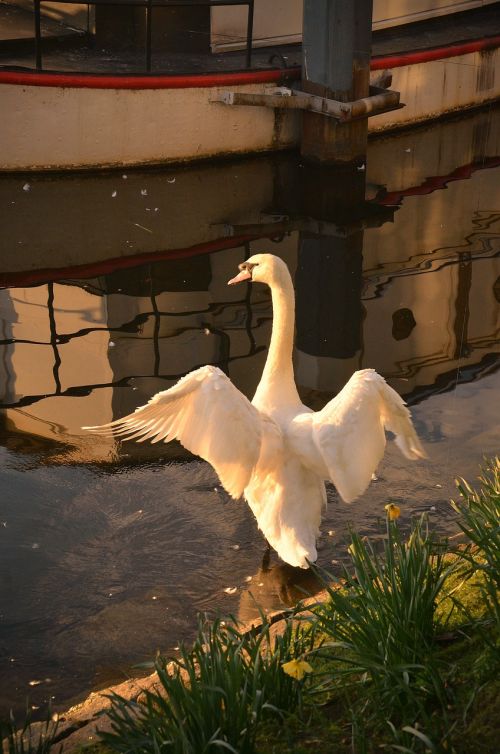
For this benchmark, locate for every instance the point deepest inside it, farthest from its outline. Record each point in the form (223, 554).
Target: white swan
(275, 451)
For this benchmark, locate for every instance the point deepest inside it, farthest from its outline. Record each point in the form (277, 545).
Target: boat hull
(60, 122)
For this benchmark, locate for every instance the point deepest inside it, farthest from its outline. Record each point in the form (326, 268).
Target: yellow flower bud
(393, 511)
(297, 668)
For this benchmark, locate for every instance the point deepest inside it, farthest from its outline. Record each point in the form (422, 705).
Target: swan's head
(262, 268)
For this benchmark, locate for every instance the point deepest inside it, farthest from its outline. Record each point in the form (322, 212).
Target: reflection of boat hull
(74, 121)
(231, 203)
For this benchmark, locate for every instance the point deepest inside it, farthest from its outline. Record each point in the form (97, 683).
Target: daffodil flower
(297, 668)
(393, 511)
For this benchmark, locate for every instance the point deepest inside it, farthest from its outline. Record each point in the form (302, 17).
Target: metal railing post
(38, 37)
(249, 33)
(149, 12)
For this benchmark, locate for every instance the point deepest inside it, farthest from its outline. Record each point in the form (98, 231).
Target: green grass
(216, 694)
(380, 631)
(479, 519)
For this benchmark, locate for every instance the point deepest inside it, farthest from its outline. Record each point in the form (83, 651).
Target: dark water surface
(108, 551)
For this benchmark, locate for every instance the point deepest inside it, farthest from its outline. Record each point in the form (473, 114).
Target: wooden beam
(336, 65)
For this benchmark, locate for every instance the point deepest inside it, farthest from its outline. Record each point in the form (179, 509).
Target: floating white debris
(432, 508)
(170, 180)
(26, 187)
(235, 547)
(134, 388)
(440, 486)
(4, 524)
(231, 589)
(331, 533)
(206, 331)
(334, 562)
(34, 683)
(177, 648)
(216, 489)
(35, 546)
(110, 594)
(361, 167)
(148, 230)
(374, 478)
(248, 578)
(408, 150)
(111, 344)
(124, 177)
(157, 209)
(144, 192)
(114, 194)
(140, 510)
(261, 583)
(154, 598)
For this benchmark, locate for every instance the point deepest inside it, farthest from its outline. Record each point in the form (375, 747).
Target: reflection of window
(403, 323)
(496, 289)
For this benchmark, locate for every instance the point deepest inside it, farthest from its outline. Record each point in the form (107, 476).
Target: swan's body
(275, 451)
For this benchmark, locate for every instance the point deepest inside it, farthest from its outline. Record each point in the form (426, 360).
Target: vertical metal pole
(149, 12)
(336, 64)
(249, 33)
(38, 37)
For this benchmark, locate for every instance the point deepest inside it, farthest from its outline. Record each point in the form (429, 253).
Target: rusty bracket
(379, 101)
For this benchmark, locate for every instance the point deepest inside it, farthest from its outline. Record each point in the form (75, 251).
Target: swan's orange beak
(240, 277)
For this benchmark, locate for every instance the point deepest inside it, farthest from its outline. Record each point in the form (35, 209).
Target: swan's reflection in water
(276, 586)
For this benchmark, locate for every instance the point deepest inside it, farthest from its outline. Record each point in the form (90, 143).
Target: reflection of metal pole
(53, 337)
(156, 330)
(462, 310)
(328, 280)
(248, 304)
(336, 52)
(328, 284)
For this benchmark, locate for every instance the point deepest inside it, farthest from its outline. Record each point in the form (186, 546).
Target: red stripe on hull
(96, 81)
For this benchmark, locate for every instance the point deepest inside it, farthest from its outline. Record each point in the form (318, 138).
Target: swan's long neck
(277, 384)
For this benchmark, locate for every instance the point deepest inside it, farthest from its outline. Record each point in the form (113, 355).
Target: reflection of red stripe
(77, 272)
(434, 183)
(96, 81)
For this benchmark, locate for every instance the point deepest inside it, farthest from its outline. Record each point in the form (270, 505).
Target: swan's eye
(248, 266)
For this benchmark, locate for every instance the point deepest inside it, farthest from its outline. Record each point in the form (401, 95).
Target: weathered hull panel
(46, 127)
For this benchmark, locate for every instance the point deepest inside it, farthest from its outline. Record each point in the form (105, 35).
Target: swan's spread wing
(349, 431)
(209, 416)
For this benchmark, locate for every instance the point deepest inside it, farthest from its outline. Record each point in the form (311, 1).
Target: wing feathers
(209, 416)
(349, 431)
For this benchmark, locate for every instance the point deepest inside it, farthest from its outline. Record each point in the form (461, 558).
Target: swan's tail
(397, 419)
